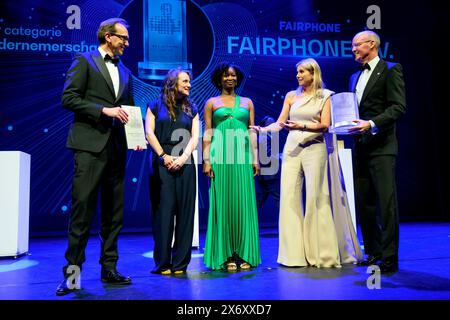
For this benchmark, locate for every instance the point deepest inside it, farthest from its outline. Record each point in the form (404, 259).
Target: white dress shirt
(361, 85)
(113, 71)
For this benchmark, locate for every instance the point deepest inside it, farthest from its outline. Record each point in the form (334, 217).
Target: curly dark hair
(221, 68)
(169, 92)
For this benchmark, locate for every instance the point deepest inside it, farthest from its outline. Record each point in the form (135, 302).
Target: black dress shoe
(114, 277)
(64, 289)
(371, 260)
(388, 266)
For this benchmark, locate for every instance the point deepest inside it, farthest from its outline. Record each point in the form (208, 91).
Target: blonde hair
(313, 67)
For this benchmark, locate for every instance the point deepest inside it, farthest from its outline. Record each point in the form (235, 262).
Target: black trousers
(266, 187)
(95, 173)
(173, 204)
(376, 201)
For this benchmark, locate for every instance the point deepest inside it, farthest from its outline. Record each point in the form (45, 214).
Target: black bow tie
(364, 67)
(114, 60)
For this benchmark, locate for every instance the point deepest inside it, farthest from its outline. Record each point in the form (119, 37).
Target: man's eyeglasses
(357, 44)
(121, 37)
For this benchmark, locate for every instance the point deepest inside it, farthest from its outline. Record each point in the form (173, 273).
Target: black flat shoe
(114, 277)
(178, 272)
(164, 272)
(388, 266)
(371, 260)
(64, 289)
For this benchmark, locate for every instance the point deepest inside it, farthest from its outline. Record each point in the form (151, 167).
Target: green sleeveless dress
(233, 217)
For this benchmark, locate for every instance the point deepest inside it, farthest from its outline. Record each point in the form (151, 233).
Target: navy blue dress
(172, 193)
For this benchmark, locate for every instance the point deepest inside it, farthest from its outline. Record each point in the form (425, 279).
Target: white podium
(14, 203)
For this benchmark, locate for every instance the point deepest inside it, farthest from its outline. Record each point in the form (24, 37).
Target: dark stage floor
(424, 273)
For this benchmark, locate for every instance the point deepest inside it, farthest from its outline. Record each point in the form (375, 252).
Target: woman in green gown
(230, 159)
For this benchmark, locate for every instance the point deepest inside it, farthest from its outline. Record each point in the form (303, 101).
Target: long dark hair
(169, 92)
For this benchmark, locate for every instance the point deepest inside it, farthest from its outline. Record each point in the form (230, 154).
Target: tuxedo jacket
(89, 88)
(383, 102)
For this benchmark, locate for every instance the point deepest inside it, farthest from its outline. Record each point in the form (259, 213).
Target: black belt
(311, 142)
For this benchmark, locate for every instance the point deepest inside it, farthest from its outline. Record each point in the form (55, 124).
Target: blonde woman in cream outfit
(314, 235)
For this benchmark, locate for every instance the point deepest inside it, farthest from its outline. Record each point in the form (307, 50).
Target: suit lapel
(379, 69)
(354, 81)
(100, 63)
(122, 80)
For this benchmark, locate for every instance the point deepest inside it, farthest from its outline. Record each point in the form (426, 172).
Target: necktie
(114, 60)
(364, 67)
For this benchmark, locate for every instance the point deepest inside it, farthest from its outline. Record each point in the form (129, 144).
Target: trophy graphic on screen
(164, 38)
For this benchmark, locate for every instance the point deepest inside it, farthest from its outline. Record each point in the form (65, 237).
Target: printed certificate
(134, 128)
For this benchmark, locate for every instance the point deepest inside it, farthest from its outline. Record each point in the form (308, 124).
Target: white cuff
(374, 129)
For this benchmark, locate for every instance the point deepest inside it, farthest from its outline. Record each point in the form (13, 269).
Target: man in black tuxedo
(97, 84)
(380, 90)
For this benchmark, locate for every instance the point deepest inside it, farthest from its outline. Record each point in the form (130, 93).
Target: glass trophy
(164, 38)
(344, 109)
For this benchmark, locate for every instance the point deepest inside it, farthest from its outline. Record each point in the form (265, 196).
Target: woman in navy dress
(172, 129)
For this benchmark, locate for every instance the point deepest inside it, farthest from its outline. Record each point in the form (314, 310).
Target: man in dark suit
(380, 90)
(97, 84)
